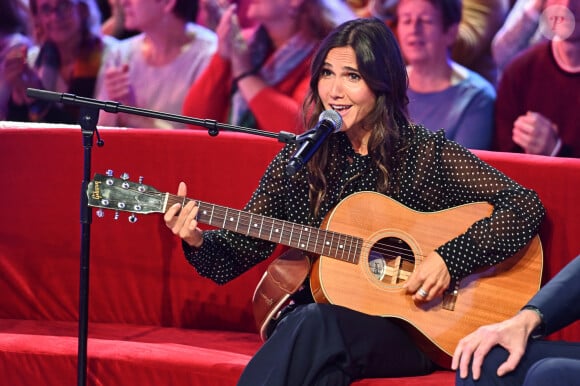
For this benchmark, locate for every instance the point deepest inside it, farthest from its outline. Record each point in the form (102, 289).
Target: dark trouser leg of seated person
(321, 344)
(554, 371)
(536, 350)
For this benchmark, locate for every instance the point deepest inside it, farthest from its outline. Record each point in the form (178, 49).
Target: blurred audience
(361, 8)
(66, 58)
(259, 76)
(14, 40)
(519, 31)
(480, 21)
(154, 70)
(443, 94)
(536, 107)
(383, 9)
(210, 12)
(113, 18)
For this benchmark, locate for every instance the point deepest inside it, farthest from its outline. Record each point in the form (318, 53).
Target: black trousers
(556, 361)
(323, 344)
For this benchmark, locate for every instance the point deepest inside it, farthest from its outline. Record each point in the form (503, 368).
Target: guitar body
(396, 239)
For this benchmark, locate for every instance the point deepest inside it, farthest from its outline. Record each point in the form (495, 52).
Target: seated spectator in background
(443, 94)
(259, 77)
(14, 41)
(537, 100)
(480, 20)
(154, 69)
(510, 353)
(519, 31)
(67, 59)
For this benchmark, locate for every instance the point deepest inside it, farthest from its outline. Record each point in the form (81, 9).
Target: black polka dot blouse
(430, 174)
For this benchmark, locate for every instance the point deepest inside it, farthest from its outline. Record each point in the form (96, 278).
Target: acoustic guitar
(364, 252)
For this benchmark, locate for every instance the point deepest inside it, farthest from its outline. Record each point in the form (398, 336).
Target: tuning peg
(132, 218)
(100, 213)
(125, 176)
(109, 173)
(116, 217)
(141, 188)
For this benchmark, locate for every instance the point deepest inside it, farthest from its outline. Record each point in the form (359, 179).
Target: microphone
(329, 122)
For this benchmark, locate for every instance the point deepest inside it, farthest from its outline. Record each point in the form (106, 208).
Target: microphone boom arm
(211, 125)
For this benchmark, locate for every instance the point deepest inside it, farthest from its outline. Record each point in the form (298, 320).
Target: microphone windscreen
(332, 116)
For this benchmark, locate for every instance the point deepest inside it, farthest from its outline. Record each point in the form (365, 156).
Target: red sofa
(152, 319)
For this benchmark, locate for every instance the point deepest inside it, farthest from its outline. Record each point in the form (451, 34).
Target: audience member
(154, 69)
(519, 31)
(259, 77)
(537, 96)
(67, 59)
(442, 93)
(480, 20)
(511, 353)
(14, 42)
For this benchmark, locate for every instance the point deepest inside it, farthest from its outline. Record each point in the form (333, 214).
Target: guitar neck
(303, 237)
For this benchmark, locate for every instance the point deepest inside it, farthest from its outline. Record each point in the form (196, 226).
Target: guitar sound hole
(391, 260)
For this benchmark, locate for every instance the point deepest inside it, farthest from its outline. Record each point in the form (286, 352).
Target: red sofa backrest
(138, 273)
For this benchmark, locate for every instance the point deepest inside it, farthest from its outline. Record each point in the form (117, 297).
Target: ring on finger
(421, 292)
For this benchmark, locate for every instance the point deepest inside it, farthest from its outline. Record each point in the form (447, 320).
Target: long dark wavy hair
(382, 67)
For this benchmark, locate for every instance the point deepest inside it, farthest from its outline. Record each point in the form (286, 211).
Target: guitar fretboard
(321, 242)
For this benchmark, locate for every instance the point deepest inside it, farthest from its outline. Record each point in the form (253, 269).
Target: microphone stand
(89, 114)
(211, 125)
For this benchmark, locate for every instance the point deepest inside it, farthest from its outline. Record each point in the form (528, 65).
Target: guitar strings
(386, 249)
(267, 222)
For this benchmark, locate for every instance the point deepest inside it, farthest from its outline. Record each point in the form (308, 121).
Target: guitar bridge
(449, 299)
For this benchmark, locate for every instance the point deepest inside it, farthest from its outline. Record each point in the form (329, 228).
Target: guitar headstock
(120, 194)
